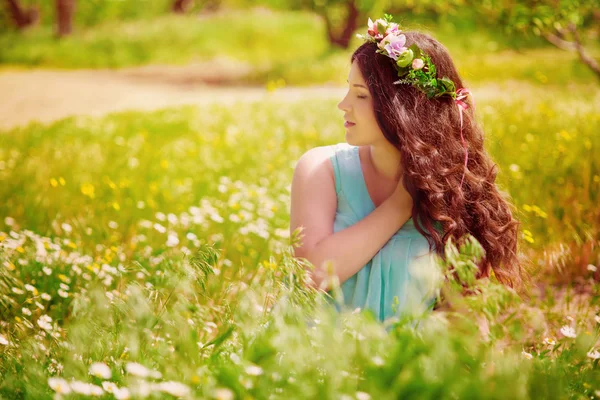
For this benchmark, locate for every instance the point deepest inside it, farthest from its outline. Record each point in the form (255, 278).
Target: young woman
(412, 174)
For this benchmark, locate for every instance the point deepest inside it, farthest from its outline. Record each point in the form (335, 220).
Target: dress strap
(349, 178)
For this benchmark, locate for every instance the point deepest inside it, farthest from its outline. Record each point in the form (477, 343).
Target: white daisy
(254, 370)
(595, 355)
(176, 389)
(527, 355)
(59, 385)
(568, 331)
(100, 370)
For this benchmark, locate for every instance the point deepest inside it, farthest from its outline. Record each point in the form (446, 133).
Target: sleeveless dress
(402, 276)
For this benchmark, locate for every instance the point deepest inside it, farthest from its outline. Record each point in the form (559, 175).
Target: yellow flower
(88, 190)
(20, 249)
(62, 181)
(53, 182)
(527, 236)
(164, 164)
(116, 206)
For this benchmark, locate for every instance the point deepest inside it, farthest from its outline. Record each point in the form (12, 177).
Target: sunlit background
(146, 156)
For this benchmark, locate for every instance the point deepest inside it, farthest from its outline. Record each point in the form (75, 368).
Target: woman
(413, 174)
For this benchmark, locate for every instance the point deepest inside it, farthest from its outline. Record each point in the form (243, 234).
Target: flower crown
(413, 65)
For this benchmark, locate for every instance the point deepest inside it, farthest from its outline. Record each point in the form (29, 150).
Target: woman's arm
(313, 206)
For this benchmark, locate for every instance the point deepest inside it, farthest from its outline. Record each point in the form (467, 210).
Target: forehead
(355, 76)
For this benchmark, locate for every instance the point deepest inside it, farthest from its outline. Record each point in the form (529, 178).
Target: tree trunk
(22, 18)
(64, 17)
(343, 39)
(583, 55)
(181, 6)
(576, 45)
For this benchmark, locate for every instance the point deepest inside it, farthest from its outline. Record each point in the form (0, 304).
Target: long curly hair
(427, 134)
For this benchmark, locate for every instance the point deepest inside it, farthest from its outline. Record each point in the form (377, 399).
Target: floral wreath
(415, 67)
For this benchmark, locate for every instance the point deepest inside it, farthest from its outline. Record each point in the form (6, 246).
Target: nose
(342, 105)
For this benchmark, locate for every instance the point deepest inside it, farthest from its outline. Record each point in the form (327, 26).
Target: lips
(348, 124)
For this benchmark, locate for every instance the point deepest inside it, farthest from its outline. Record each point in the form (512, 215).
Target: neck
(385, 159)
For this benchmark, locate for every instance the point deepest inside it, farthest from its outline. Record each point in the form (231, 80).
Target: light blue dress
(402, 276)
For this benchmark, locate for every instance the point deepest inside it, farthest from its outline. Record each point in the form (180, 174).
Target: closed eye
(362, 97)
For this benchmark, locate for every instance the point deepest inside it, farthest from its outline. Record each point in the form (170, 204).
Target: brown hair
(427, 134)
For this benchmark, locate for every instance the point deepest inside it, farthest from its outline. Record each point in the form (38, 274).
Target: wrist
(400, 209)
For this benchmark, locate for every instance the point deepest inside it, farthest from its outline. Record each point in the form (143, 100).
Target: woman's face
(358, 109)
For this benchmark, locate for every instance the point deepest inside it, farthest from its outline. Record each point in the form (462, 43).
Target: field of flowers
(145, 255)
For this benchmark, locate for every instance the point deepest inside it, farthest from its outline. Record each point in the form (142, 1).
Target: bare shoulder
(316, 160)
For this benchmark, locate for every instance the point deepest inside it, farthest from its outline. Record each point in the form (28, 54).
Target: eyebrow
(357, 84)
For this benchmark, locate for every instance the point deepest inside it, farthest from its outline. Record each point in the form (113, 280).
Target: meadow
(164, 237)
(148, 255)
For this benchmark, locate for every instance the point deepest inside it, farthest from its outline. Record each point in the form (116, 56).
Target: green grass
(164, 237)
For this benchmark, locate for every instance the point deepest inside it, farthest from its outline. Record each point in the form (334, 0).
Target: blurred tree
(343, 17)
(64, 17)
(562, 23)
(183, 6)
(22, 18)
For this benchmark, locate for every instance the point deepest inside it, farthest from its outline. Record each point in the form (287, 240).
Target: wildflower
(45, 322)
(139, 370)
(100, 370)
(550, 341)
(172, 240)
(597, 318)
(62, 293)
(159, 228)
(595, 354)
(47, 270)
(527, 355)
(59, 385)
(363, 396)
(223, 394)
(30, 288)
(176, 389)
(113, 224)
(254, 370)
(26, 311)
(66, 227)
(17, 290)
(110, 387)
(46, 296)
(3, 340)
(568, 331)
(88, 389)
(121, 394)
(592, 268)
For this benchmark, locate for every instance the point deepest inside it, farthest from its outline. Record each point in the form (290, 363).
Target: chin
(352, 141)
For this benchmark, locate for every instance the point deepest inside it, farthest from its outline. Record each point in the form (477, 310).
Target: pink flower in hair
(392, 28)
(373, 30)
(417, 64)
(393, 44)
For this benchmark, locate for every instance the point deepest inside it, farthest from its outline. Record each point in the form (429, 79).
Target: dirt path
(47, 95)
